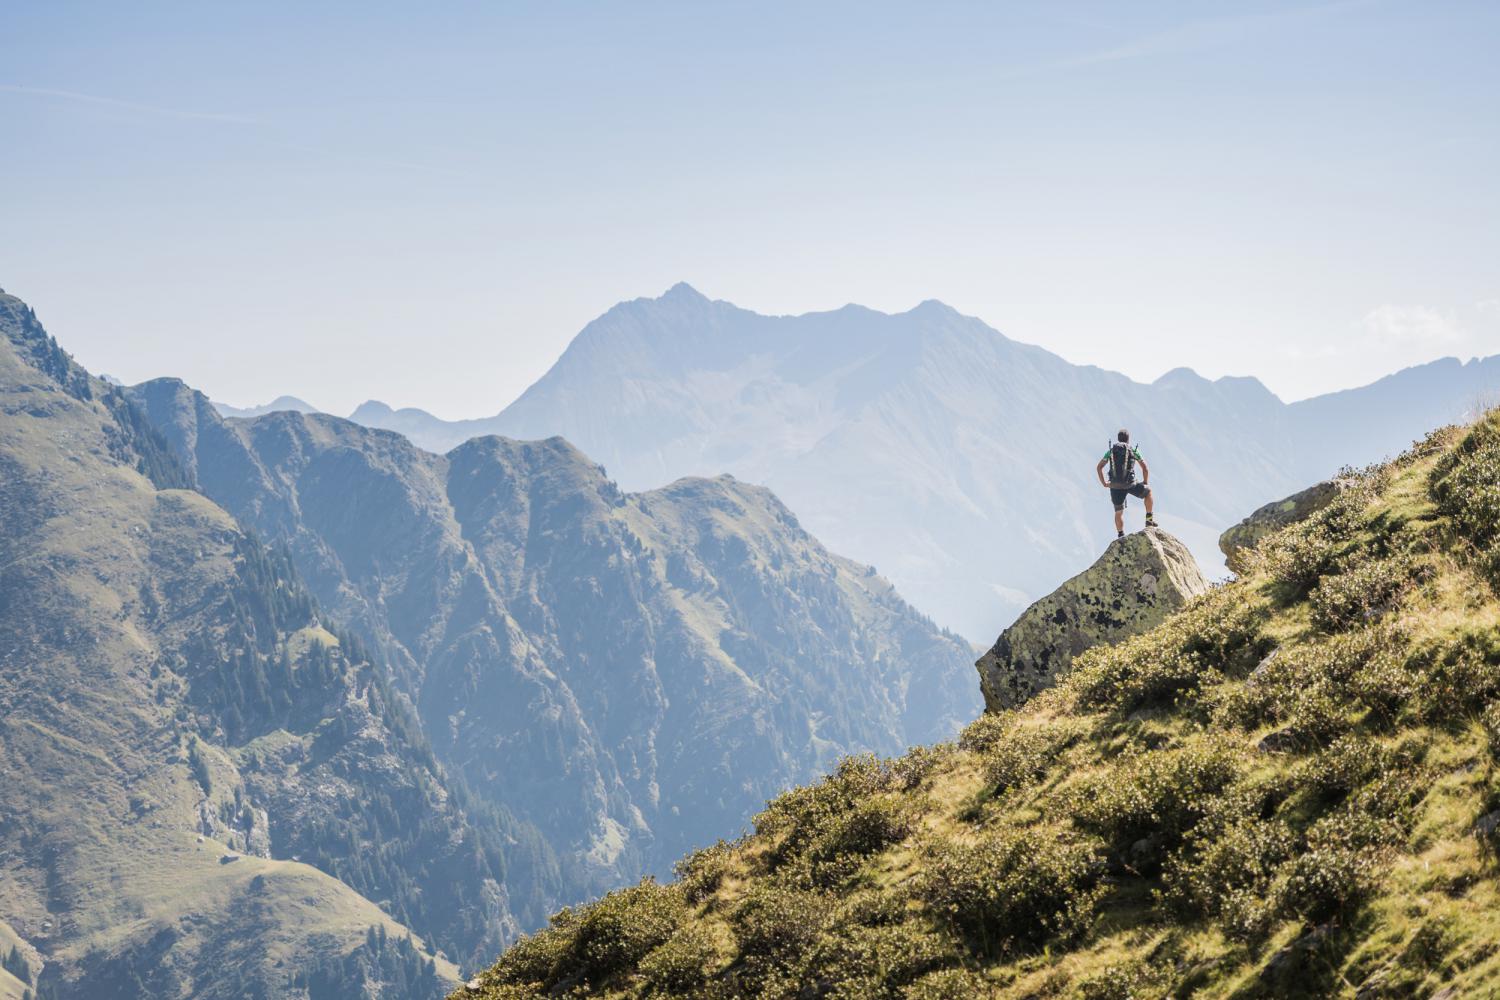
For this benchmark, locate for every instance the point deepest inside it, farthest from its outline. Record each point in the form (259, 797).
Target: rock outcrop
(1138, 581)
(1243, 537)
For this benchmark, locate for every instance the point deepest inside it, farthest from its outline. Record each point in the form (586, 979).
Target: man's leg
(1119, 519)
(1148, 503)
(1150, 520)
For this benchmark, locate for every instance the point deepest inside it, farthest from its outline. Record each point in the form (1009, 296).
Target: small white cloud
(1398, 326)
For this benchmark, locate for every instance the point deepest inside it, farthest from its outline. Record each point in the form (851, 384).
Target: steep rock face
(1243, 537)
(1138, 581)
(633, 673)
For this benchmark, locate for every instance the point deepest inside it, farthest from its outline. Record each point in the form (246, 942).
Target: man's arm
(1145, 470)
(1099, 470)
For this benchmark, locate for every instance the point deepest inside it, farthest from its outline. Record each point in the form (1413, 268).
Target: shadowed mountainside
(633, 673)
(178, 728)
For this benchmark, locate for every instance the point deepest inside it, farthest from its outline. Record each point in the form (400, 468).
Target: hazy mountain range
(291, 707)
(957, 460)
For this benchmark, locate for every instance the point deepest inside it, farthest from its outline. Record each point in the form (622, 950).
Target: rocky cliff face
(635, 674)
(1138, 581)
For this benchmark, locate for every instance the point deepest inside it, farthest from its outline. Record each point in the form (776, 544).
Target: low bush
(796, 818)
(1350, 763)
(1216, 634)
(981, 734)
(867, 827)
(538, 958)
(1491, 722)
(1461, 677)
(680, 964)
(949, 984)
(912, 768)
(1012, 890)
(858, 962)
(1465, 484)
(1022, 754)
(1225, 871)
(1327, 881)
(700, 873)
(776, 922)
(616, 932)
(1357, 591)
(1299, 554)
(1156, 793)
(1130, 980)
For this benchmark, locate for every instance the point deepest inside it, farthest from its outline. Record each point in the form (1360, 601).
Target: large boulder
(1241, 539)
(1138, 581)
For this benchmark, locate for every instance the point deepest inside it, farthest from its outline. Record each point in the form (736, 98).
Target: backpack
(1121, 463)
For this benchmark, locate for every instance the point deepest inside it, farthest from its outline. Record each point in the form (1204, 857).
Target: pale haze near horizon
(424, 207)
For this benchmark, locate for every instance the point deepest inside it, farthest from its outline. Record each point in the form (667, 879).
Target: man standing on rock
(1121, 459)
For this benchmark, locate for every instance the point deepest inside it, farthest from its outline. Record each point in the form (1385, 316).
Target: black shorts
(1138, 490)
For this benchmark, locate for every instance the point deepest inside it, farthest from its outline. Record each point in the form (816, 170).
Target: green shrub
(1461, 677)
(1130, 980)
(949, 984)
(1159, 793)
(858, 961)
(1349, 763)
(1217, 633)
(1327, 881)
(681, 964)
(1014, 889)
(538, 958)
(1299, 554)
(778, 922)
(912, 768)
(1358, 591)
(867, 827)
(1491, 721)
(981, 734)
(796, 818)
(700, 873)
(1023, 753)
(1225, 871)
(616, 932)
(1465, 484)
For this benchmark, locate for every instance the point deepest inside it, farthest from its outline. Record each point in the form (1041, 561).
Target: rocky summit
(1138, 581)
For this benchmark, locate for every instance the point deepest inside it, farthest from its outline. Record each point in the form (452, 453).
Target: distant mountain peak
(683, 292)
(1181, 375)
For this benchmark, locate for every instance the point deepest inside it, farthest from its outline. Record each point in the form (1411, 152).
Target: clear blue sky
(424, 205)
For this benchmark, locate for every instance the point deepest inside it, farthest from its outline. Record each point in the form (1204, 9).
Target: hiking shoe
(1151, 523)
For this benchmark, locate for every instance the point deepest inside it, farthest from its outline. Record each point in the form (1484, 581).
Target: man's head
(1123, 437)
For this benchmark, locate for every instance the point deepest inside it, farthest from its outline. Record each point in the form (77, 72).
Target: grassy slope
(1129, 834)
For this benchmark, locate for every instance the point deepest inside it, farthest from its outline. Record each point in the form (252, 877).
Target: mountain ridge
(926, 441)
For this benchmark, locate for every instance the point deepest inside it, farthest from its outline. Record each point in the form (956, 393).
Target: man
(1121, 459)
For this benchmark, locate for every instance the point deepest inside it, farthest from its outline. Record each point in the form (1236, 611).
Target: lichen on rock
(1138, 581)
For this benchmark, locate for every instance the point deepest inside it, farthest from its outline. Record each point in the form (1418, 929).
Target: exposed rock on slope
(1138, 581)
(634, 673)
(1243, 537)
